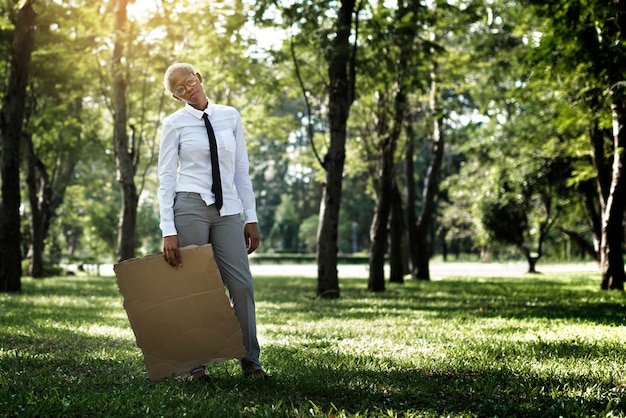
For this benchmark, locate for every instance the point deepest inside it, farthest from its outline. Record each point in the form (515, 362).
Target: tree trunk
(37, 185)
(405, 36)
(378, 230)
(421, 248)
(387, 150)
(124, 150)
(611, 246)
(590, 198)
(411, 194)
(531, 260)
(46, 192)
(397, 253)
(378, 241)
(11, 124)
(341, 95)
(421, 270)
(612, 242)
(532, 264)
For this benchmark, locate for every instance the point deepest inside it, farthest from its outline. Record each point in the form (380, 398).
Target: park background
(463, 143)
(390, 131)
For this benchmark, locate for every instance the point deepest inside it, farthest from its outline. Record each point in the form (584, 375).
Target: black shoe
(199, 375)
(205, 378)
(258, 375)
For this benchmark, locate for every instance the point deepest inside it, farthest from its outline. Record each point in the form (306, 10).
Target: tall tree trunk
(378, 241)
(385, 184)
(421, 248)
(590, 198)
(341, 95)
(11, 124)
(411, 195)
(405, 36)
(124, 150)
(397, 238)
(603, 187)
(378, 230)
(611, 246)
(37, 182)
(612, 242)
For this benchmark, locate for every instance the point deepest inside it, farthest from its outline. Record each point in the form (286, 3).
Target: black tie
(215, 165)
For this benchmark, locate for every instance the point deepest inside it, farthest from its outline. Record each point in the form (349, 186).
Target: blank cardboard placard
(181, 317)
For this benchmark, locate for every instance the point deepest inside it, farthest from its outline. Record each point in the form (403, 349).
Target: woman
(200, 204)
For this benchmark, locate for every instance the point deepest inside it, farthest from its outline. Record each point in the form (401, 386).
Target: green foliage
(506, 218)
(286, 224)
(527, 155)
(519, 91)
(90, 215)
(460, 347)
(148, 232)
(308, 233)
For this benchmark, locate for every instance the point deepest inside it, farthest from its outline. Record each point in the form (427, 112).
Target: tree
(522, 213)
(57, 127)
(341, 78)
(338, 40)
(587, 36)
(518, 141)
(142, 50)
(11, 124)
(444, 59)
(420, 248)
(393, 82)
(126, 154)
(66, 119)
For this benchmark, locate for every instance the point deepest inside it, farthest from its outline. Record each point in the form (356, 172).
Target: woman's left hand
(251, 235)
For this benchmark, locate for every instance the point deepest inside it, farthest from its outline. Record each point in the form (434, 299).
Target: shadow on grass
(496, 298)
(95, 377)
(327, 385)
(54, 361)
(70, 286)
(537, 297)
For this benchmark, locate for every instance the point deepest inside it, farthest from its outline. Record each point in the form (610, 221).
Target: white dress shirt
(185, 163)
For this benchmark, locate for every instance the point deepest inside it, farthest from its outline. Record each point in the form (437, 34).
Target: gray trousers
(199, 224)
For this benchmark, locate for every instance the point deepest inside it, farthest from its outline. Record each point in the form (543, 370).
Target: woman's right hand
(171, 252)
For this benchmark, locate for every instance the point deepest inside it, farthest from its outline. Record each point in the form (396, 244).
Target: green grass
(540, 345)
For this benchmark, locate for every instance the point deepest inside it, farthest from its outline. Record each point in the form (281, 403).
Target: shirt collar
(198, 113)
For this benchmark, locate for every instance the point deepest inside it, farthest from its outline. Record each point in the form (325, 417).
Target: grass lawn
(543, 345)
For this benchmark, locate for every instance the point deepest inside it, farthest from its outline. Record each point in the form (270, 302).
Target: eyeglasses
(189, 82)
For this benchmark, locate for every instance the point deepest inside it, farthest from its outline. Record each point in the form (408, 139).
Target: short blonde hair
(176, 68)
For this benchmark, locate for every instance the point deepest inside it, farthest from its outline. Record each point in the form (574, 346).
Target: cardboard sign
(181, 317)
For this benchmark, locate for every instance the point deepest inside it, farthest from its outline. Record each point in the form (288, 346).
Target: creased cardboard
(181, 317)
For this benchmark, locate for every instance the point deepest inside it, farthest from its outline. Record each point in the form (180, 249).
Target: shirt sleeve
(242, 175)
(167, 171)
